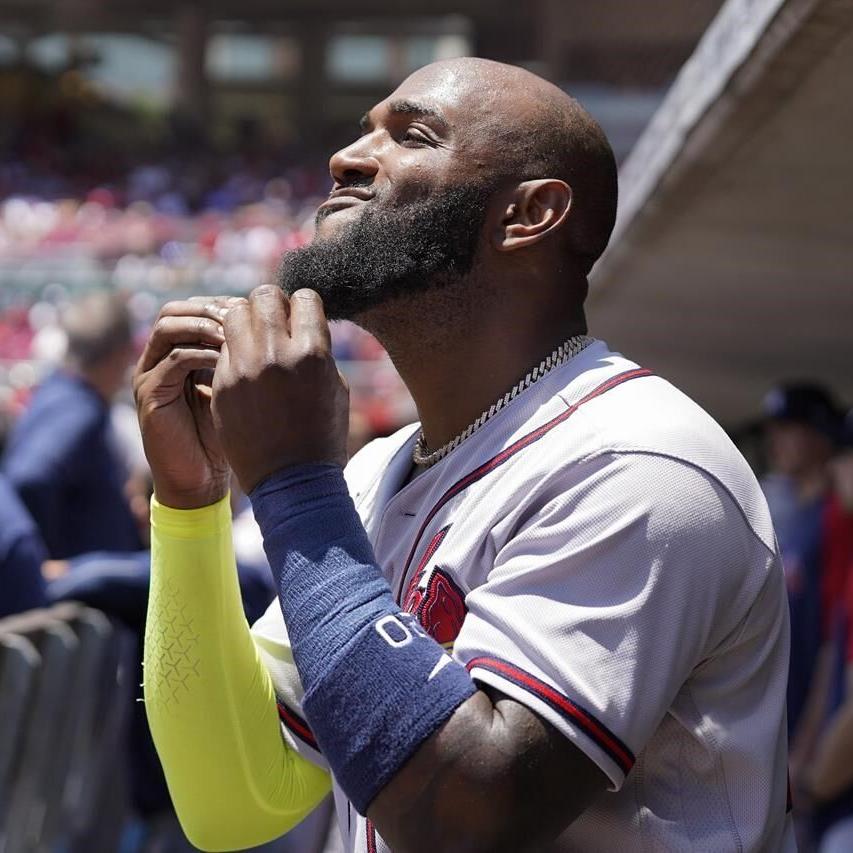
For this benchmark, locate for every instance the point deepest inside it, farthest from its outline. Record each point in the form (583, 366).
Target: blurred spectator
(827, 773)
(21, 556)
(801, 432)
(60, 456)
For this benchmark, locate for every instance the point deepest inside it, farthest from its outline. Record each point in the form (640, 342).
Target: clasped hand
(246, 383)
(278, 397)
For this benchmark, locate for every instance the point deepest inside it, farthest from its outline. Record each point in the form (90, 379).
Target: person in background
(61, 457)
(801, 432)
(22, 553)
(822, 765)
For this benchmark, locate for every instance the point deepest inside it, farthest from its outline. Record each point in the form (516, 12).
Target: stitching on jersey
(719, 772)
(593, 728)
(640, 802)
(508, 452)
(734, 501)
(679, 769)
(640, 451)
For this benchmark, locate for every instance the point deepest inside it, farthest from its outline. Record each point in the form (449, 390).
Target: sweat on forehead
(482, 87)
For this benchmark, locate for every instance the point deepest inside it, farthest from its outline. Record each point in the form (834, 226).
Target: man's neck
(457, 358)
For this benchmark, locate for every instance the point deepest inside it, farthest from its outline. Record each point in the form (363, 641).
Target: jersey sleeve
(234, 781)
(612, 589)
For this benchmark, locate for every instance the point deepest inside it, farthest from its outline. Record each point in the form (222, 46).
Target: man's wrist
(185, 499)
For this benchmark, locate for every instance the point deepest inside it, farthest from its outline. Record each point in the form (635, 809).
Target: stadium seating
(19, 664)
(62, 710)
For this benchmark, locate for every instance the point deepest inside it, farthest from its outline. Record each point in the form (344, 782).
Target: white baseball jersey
(600, 552)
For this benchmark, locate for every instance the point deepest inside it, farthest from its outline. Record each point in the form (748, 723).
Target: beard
(393, 249)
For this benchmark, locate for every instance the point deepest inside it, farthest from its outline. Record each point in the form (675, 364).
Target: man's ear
(536, 209)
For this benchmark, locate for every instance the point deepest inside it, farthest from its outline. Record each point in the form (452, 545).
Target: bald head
(527, 128)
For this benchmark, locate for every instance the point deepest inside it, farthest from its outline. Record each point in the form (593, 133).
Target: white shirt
(600, 552)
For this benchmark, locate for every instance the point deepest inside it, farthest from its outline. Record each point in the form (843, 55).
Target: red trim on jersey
(508, 452)
(432, 548)
(297, 725)
(573, 712)
(371, 836)
(419, 571)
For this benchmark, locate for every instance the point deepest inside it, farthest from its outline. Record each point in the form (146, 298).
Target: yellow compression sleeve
(234, 781)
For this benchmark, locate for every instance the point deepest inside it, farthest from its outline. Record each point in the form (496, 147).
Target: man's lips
(346, 196)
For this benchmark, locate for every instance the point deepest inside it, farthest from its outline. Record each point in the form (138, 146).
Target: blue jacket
(61, 462)
(21, 554)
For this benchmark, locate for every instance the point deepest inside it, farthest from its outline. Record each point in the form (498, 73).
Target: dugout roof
(732, 262)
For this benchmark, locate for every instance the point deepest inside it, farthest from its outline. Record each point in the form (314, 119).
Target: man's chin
(332, 221)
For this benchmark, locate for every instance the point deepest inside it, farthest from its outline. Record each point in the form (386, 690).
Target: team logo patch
(439, 606)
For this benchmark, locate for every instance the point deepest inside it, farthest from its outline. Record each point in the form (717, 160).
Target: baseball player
(550, 616)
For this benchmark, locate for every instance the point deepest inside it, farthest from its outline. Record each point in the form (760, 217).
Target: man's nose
(354, 164)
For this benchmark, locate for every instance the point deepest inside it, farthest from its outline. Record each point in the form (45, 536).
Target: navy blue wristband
(376, 686)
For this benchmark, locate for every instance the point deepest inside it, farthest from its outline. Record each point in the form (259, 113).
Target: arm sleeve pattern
(234, 781)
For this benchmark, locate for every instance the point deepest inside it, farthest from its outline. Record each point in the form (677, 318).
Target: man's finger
(269, 309)
(308, 324)
(180, 362)
(221, 373)
(179, 330)
(224, 301)
(237, 327)
(214, 307)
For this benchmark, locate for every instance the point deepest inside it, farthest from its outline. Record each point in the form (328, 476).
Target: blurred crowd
(809, 488)
(91, 195)
(146, 235)
(149, 245)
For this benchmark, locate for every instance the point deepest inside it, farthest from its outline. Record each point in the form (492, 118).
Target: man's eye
(412, 134)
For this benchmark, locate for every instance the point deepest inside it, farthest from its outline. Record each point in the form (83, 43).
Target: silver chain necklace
(422, 456)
